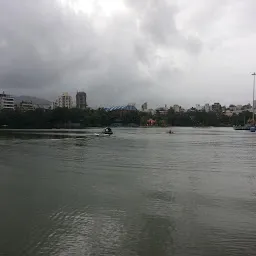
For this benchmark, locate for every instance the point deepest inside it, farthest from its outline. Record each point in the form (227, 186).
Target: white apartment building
(6, 101)
(176, 108)
(63, 101)
(26, 106)
(239, 107)
(199, 107)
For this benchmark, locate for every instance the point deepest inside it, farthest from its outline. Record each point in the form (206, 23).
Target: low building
(238, 111)
(26, 106)
(199, 107)
(121, 108)
(42, 106)
(223, 109)
(151, 111)
(228, 113)
(176, 108)
(232, 107)
(216, 107)
(162, 111)
(247, 107)
(207, 107)
(144, 106)
(6, 101)
(119, 111)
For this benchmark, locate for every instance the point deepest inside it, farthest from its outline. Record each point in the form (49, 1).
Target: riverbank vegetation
(77, 118)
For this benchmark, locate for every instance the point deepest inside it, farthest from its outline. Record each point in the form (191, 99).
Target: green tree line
(69, 118)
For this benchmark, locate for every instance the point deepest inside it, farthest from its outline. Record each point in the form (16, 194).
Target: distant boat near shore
(202, 126)
(242, 127)
(251, 125)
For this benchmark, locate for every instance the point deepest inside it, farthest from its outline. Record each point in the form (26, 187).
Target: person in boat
(107, 130)
(170, 131)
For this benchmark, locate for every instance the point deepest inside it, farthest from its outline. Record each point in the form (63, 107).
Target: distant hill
(34, 100)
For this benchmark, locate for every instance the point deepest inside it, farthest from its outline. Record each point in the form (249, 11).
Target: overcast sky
(125, 51)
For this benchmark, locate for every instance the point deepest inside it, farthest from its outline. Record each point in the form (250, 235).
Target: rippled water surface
(139, 192)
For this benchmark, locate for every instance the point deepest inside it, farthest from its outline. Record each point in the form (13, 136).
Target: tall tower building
(81, 100)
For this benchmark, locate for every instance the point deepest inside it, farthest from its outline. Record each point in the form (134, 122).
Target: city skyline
(80, 101)
(122, 51)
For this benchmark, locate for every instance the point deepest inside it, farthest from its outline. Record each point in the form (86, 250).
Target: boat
(170, 132)
(246, 127)
(108, 131)
(242, 127)
(253, 129)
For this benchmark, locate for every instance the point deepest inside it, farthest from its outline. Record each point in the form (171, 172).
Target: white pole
(253, 105)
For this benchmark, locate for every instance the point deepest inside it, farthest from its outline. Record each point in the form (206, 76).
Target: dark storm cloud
(146, 53)
(48, 48)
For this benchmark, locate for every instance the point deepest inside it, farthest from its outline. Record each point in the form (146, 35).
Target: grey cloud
(46, 49)
(42, 44)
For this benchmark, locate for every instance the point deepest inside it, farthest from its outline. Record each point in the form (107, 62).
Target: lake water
(139, 192)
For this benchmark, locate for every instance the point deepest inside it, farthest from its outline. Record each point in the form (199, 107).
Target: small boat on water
(252, 129)
(108, 131)
(170, 131)
(242, 127)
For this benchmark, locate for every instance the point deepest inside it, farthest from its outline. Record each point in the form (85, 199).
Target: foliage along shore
(77, 118)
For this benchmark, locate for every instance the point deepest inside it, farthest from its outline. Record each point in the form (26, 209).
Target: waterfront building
(176, 108)
(232, 107)
(229, 113)
(26, 106)
(198, 107)
(126, 108)
(162, 111)
(151, 111)
(6, 101)
(119, 111)
(42, 106)
(216, 107)
(239, 107)
(207, 107)
(144, 106)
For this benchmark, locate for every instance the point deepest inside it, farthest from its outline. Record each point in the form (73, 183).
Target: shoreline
(82, 130)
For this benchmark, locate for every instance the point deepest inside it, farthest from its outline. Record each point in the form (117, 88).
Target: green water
(139, 192)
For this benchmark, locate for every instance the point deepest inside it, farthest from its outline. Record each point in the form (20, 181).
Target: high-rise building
(6, 101)
(64, 101)
(81, 100)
